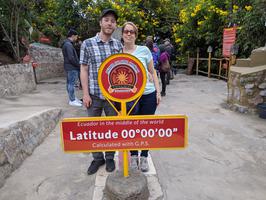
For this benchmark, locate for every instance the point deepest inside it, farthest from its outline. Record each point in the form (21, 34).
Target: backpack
(155, 55)
(164, 62)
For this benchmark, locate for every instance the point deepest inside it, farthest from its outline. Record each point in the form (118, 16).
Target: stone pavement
(225, 157)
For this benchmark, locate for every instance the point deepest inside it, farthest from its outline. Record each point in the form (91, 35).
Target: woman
(164, 59)
(151, 96)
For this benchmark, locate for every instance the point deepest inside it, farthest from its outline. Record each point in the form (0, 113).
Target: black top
(71, 60)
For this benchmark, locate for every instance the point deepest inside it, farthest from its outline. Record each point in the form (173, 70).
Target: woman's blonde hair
(132, 24)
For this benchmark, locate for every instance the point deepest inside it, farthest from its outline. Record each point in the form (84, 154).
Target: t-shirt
(144, 55)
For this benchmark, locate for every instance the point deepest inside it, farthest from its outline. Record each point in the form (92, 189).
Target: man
(71, 66)
(93, 52)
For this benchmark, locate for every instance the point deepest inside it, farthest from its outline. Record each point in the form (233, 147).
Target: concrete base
(133, 187)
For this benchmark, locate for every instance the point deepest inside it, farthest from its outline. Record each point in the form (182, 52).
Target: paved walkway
(225, 158)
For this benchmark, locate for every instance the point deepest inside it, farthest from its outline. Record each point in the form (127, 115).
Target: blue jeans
(72, 76)
(95, 110)
(146, 106)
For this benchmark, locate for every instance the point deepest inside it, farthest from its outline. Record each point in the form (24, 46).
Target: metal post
(35, 77)
(125, 152)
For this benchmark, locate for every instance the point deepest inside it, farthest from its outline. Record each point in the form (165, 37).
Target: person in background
(71, 66)
(155, 51)
(169, 48)
(151, 97)
(163, 59)
(93, 52)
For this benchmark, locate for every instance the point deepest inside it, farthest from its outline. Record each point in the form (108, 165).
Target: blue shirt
(144, 55)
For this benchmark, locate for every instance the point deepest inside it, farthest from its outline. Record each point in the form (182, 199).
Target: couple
(93, 52)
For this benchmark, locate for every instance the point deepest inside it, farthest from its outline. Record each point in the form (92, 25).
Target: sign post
(122, 78)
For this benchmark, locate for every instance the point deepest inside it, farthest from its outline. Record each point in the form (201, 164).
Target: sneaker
(163, 94)
(75, 103)
(95, 164)
(110, 165)
(144, 165)
(78, 100)
(134, 162)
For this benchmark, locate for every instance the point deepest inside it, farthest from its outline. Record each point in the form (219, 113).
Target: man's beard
(107, 32)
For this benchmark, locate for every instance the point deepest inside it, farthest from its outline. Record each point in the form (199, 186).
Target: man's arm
(84, 77)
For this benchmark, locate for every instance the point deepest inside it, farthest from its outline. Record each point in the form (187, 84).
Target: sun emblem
(122, 77)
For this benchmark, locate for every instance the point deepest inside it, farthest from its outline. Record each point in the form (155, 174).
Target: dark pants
(163, 80)
(146, 106)
(95, 110)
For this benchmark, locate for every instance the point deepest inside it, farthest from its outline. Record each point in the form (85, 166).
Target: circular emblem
(122, 77)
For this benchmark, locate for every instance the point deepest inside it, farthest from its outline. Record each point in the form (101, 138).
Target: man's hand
(87, 101)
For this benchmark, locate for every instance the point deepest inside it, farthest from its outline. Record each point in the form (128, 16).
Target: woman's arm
(155, 80)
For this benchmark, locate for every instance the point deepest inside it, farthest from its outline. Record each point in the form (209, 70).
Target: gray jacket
(71, 60)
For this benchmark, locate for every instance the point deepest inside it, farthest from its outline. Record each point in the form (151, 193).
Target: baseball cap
(109, 11)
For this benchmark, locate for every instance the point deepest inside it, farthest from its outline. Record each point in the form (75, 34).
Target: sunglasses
(129, 31)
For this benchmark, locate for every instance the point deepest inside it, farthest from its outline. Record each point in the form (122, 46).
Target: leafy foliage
(189, 24)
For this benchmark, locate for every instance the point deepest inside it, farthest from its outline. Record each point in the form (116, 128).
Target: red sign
(122, 77)
(229, 38)
(120, 133)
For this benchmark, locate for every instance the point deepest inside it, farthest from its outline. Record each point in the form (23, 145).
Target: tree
(14, 24)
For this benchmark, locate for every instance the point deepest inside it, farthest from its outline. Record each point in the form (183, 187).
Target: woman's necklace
(129, 49)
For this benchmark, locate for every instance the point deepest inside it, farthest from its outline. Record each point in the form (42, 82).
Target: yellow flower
(192, 14)
(174, 28)
(235, 7)
(178, 40)
(141, 13)
(183, 16)
(200, 23)
(212, 8)
(197, 8)
(248, 8)
(89, 9)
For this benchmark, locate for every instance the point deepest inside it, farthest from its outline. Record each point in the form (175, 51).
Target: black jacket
(71, 60)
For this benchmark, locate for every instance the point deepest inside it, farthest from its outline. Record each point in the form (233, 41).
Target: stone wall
(16, 79)
(20, 139)
(247, 82)
(49, 61)
(245, 91)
